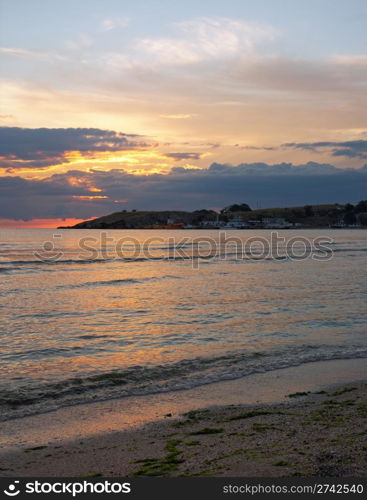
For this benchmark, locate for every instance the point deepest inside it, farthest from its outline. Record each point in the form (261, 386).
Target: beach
(308, 420)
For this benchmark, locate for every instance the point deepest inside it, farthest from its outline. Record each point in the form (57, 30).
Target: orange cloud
(89, 198)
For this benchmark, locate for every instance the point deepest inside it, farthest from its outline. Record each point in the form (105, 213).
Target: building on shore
(237, 222)
(276, 223)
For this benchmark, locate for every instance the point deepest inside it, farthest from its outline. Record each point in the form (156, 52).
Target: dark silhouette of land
(235, 216)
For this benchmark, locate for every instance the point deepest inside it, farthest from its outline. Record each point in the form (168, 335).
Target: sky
(154, 105)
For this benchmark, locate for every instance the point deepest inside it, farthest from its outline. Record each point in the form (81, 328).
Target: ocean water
(89, 315)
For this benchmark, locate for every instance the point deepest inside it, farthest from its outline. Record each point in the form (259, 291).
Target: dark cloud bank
(348, 149)
(269, 185)
(42, 147)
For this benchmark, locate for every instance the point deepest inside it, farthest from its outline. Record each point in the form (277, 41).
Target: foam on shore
(93, 419)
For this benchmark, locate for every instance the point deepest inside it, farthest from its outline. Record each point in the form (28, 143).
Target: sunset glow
(38, 223)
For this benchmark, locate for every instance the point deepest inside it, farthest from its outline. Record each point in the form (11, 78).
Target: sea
(92, 315)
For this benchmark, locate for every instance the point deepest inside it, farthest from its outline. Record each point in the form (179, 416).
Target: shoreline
(148, 435)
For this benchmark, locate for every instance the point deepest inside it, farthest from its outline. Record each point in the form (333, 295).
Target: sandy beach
(311, 425)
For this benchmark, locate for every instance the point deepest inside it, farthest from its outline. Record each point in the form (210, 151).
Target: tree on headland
(349, 207)
(349, 215)
(308, 211)
(350, 218)
(243, 207)
(361, 207)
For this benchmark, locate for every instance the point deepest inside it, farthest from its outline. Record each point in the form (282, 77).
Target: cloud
(179, 116)
(110, 23)
(42, 56)
(207, 38)
(79, 194)
(14, 51)
(42, 147)
(257, 148)
(184, 156)
(351, 59)
(348, 149)
(29, 199)
(228, 73)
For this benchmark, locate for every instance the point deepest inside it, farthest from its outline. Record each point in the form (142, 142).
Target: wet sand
(307, 420)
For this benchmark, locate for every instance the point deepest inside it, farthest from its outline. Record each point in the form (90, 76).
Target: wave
(114, 282)
(93, 284)
(61, 262)
(30, 399)
(245, 256)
